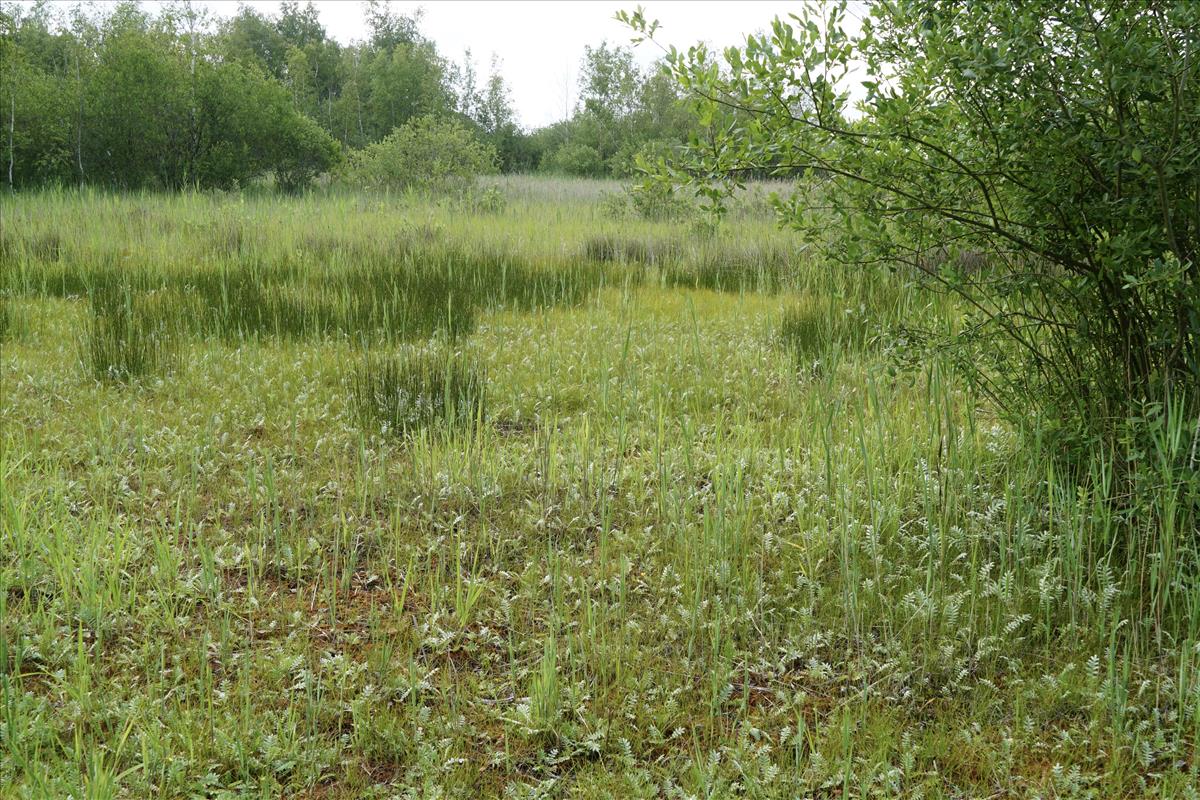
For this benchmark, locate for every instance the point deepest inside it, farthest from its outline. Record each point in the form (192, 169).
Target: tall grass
(348, 289)
(131, 335)
(404, 394)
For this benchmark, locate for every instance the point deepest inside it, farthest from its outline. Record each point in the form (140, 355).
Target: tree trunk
(79, 124)
(12, 127)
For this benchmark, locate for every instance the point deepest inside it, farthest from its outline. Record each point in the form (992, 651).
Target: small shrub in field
(129, 335)
(305, 151)
(404, 394)
(574, 158)
(615, 205)
(659, 201)
(427, 154)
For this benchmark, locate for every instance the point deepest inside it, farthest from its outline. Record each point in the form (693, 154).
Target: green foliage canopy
(121, 97)
(136, 101)
(623, 112)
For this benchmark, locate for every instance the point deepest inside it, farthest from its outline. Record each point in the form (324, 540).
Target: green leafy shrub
(426, 154)
(401, 395)
(659, 201)
(650, 200)
(574, 158)
(305, 151)
(1058, 142)
(477, 200)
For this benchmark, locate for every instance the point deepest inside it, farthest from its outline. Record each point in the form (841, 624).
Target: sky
(540, 44)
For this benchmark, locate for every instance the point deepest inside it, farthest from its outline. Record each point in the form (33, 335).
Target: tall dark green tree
(489, 109)
(39, 102)
(623, 111)
(129, 99)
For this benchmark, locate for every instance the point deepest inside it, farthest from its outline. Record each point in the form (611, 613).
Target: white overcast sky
(540, 44)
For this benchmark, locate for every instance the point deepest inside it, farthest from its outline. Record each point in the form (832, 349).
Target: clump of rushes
(39, 247)
(811, 333)
(803, 333)
(608, 248)
(131, 335)
(5, 318)
(401, 395)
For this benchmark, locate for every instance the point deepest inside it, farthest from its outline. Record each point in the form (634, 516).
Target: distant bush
(631, 158)
(305, 151)
(574, 158)
(426, 154)
(477, 200)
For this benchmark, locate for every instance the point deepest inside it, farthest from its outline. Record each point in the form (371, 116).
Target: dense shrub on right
(1056, 142)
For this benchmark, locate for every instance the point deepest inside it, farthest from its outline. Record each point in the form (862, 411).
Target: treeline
(125, 98)
(623, 111)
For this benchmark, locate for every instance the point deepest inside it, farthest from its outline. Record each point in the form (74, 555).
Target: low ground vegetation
(366, 495)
